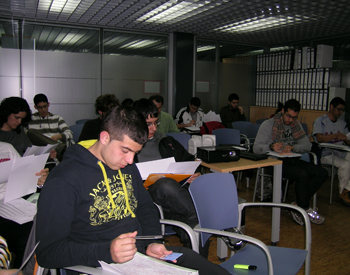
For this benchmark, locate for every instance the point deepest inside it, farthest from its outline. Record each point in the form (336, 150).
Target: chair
(305, 128)
(252, 131)
(227, 136)
(259, 121)
(82, 121)
(241, 126)
(76, 129)
(216, 203)
(182, 138)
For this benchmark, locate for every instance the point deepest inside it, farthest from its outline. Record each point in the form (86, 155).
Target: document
(39, 150)
(156, 166)
(142, 264)
(283, 155)
(193, 128)
(211, 116)
(18, 210)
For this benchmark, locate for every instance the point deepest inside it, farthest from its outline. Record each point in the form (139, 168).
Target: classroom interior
(74, 51)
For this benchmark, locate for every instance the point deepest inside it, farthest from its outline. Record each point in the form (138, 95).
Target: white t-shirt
(7, 152)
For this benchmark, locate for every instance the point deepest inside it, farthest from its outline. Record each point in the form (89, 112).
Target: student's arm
(263, 138)
(66, 133)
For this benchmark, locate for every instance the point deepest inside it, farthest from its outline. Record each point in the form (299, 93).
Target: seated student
(5, 259)
(166, 121)
(47, 128)
(14, 116)
(16, 234)
(191, 115)
(284, 134)
(232, 112)
(94, 203)
(92, 127)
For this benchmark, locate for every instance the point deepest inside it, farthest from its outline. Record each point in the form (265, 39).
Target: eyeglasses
(291, 117)
(42, 107)
(340, 109)
(156, 123)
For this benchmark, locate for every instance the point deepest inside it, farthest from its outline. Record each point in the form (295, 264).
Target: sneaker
(296, 216)
(314, 216)
(345, 196)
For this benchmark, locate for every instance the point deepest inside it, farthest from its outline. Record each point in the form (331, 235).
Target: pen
(149, 237)
(245, 266)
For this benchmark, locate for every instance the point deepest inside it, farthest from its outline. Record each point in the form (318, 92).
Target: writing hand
(278, 146)
(287, 149)
(123, 247)
(157, 250)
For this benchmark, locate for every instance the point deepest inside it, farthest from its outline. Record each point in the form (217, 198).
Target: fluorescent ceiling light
(205, 48)
(255, 23)
(59, 6)
(168, 11)
(139, 44)
(71, 39)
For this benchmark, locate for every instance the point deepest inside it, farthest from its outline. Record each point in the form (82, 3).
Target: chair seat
(286, 261)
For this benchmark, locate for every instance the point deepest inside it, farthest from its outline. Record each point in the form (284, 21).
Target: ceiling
(240, 26)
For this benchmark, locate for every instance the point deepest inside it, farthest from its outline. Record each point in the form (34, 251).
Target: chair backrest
(251, 131)
(227, 136)
(261, 120)
(241, 126)
(304, 125)
(82, 121)
(181, 137)
(215, 198)
(76, 129)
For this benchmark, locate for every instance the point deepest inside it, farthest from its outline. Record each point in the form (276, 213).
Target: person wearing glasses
(284, 134)
(330, 128)
(47, 128)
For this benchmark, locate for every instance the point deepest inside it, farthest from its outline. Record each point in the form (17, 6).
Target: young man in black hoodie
(94, 203)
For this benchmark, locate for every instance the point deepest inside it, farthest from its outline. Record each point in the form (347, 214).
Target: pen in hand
(149, 237)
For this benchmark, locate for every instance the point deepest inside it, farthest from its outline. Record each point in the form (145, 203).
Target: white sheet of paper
(211, 116)
(278, 155)
(155, 166)
(193, 128)
(22, 179)
(5, 168)
(185, 167)
(18, 210)
(39, 150)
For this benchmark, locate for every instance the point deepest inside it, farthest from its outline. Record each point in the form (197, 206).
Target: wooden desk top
(242, 164)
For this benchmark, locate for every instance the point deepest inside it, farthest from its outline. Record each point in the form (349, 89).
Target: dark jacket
(229, 115)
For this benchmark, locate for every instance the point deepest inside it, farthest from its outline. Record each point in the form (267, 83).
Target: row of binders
(294, 79)
(275, 61)
(309, 100)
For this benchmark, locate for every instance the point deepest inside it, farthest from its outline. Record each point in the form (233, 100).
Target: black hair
(40, 98)
(105, 102)
(293, 105)
(233, 97)
(146, 107)
(336, 101)
(14, 105)
(157, 98)
(127, 102)
(123, 121)
(195, 101)
(279, 107)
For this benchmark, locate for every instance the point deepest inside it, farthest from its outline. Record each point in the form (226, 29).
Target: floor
(330, 241)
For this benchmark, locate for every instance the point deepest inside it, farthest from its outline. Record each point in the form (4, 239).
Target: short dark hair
(14, 105)
(195, 101)
(146, 107)
(127, 102)
(123, 121)
(233, 97)
(293, 105)
(105, 102)
(40, 98)
(336, 101)
(157, 98)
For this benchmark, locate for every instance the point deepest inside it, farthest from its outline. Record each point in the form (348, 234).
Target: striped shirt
(50, 126)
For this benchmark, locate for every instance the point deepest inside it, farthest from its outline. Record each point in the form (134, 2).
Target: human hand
(43, 173)
(194, 176)
(240, 110)
(53, 154)
(341, 136)
(287, 149)
(123, 247)
(192, 122)
(56, 137)
(278, 146)
(157, 250)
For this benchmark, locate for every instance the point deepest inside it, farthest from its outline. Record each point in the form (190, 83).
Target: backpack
(208, 127)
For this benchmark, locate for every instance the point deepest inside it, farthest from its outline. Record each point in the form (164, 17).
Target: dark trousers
(308, 179)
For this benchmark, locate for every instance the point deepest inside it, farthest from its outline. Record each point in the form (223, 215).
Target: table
(245, 164)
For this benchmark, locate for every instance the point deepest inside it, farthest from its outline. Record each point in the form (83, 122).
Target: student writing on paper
(284, 134)
(330, 128)
(16, 234)
(191, 115)
(175, 200)
(94, 204)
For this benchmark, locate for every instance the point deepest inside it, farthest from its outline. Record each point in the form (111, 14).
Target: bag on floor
(267, 192)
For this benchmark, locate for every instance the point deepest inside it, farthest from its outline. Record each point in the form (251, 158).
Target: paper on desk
(193, 128)
(142, 264)
(281, 155)
(22, 179)
(18, 210)
(154, 166)
(39, 150)
(211, 116)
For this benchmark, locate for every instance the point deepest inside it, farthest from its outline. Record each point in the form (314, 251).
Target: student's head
(233, 100)
(290, 111)
(127, 102)
(150, 113)
(42, 104)
(194, 104)
(104, 103)
(123, 133)
(158, 101)
(337, 107)
(14, 111)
